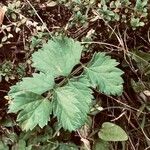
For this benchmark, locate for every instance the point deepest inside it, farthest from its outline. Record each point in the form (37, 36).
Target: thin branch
(44, 24)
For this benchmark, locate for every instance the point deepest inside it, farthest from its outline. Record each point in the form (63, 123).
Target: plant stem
(39, 18)
(70, 76)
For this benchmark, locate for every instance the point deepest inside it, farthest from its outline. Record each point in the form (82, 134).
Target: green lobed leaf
(103, 73)
(81, 87)
(112, 132)
(39, 84)
(71, 104)
(58, 56)
(34, 110)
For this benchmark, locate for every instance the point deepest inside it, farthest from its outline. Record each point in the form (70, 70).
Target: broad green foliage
(58, 56)
(112, 132)
(39, 84)
(71, 105)
(102, 72)
(70, 101)
(35, 110)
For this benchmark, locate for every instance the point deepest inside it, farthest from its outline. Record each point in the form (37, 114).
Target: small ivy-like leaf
(58, 56)
(34, 110)
(112, 132)
(39, 84)
(102, 72)
(71, 105)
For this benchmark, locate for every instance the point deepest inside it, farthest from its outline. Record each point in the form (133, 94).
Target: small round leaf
(112, 132)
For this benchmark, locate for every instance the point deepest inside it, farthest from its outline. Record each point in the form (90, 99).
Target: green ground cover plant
(69, 100)
(74, 75)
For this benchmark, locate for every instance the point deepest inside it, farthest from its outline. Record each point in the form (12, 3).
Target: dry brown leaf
(2, 13)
